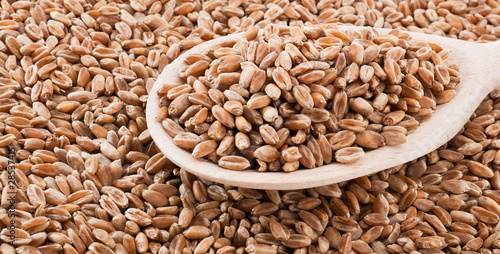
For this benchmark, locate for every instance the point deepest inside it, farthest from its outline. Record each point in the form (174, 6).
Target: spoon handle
(493, 63)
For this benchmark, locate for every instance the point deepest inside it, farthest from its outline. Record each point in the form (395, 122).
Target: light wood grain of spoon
(479, 76)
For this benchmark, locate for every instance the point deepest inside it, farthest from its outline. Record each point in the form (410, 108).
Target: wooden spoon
(479, 76)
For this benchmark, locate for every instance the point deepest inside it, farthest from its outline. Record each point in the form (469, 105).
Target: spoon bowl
(479, 76)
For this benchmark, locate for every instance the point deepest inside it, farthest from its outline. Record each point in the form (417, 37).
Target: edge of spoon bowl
(446, 121)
